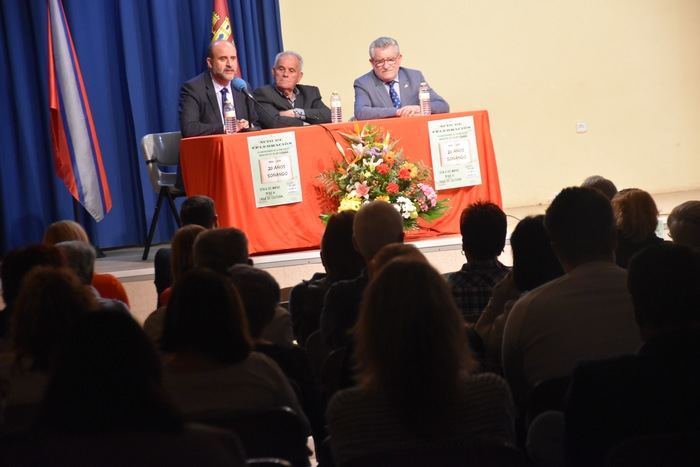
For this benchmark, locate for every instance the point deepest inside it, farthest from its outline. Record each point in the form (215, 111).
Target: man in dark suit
(201, 98)
(289, 103)
(389, 90)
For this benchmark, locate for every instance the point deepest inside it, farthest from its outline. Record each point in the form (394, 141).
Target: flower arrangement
(373, 169)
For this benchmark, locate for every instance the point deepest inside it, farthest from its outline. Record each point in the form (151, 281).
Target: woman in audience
(209, 364)
(534, 263)
(341, 262)
(684, 224)
(106, 284)
(636, 217)
(415, 388)
(182, 259)
(50, 301)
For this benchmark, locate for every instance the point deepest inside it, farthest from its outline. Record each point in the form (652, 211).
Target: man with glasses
(390, 90)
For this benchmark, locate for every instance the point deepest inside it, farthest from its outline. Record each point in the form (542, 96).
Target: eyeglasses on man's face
(391, 61)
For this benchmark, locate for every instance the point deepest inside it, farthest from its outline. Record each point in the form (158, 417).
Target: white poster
(275, 168)
(454, 153)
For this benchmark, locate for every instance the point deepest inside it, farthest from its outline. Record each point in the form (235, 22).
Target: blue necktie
(224, 93)
(393, 94)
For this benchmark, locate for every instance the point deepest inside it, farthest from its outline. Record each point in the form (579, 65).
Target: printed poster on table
(275, 168)
(454, 152)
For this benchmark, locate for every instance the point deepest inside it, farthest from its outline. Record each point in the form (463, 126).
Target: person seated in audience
(105, 404)
(15, 266)
(586, 313)
(49, 302)
(636, 217)
(289, 103)
(260, 294)
(684, 224)
(534, 263)
(181, 255)
(483, 228)
(209, 362)
(415, 388)
(80, 258)
(606, 187)
(195, 210)
(341, 262)
(376, 224)
(656, 390)
(107, 285)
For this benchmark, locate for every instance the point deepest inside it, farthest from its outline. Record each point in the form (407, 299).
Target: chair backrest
(275, 432)
(161, 150)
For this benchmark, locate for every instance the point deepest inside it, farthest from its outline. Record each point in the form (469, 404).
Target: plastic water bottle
(230, 123)
(424, 98)
(336, 108)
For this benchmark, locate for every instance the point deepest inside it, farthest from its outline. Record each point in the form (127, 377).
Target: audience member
(606, 187)
(587, 313)
(376, 224)
(657, 390)
(684, 224)
(195, 210)
(393, 251)
(181, 255)
(534, 263)
(341, 262)
(209, 364)
(636, 217)
(107, 285)
(415, 389)
(49, 302)
(483, 228)
(219, 249)
(389, 90)
(289, 103)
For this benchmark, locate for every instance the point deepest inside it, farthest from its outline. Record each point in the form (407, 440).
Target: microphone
(240, 85)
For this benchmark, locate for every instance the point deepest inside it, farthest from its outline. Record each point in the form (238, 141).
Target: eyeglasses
(391, 61)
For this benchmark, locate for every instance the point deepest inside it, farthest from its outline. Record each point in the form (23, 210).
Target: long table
(218, 166)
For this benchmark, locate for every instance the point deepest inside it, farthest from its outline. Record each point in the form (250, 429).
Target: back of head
(183, 249)
(376, 224)
(684, 224)
(606, 187)
(483, 228)
(219, 249)
(393, 251)
(107, 378)
(411, 340)
(64, 231)
(19, 262)
(534, 261)
(80, 257)
(198, 210)
(205, 315)
(581, 226)
(636, 215)
(664, 281)
(339, 257)
(260, 294)
(48, 304)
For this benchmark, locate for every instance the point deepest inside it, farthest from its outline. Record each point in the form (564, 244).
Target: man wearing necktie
(389, 90)
(202, 98)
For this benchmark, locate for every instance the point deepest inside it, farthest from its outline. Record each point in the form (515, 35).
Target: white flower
(405, 207)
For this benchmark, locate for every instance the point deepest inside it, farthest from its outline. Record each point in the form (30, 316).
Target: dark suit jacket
(309, 99)
(199, 108)
(656, 391)
(340, 310)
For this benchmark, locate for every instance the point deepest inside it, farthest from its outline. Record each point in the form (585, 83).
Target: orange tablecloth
(218, 166)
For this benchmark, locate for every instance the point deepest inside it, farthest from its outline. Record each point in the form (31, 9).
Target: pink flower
(361, 189)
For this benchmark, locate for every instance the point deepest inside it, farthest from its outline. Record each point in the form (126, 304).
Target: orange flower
(392, 188)
(404, 173)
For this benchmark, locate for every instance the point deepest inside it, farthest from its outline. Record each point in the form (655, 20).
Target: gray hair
(80, 257)
(293, 54)
(382, 43)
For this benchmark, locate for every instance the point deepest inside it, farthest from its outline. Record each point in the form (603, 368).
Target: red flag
(77, 153)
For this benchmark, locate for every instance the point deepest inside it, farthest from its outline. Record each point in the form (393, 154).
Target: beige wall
(630, 69)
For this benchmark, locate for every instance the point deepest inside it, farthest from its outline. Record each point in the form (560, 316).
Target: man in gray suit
(288, 103)
(390, 90)
(201, 98)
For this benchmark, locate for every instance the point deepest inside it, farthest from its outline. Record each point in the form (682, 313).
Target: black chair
(161, 150)
(274, 433)
(548, 394)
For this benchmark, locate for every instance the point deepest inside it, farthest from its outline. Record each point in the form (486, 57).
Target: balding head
(219, 249)
(376, 224)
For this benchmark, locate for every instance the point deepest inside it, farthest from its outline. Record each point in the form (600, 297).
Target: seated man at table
(389, 90)
(202, 98)
(288, 103)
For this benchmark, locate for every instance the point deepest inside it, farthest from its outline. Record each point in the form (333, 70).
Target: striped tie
(393, 94)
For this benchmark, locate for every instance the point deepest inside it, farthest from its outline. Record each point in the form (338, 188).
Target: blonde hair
(64, 231)
(636, 214)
